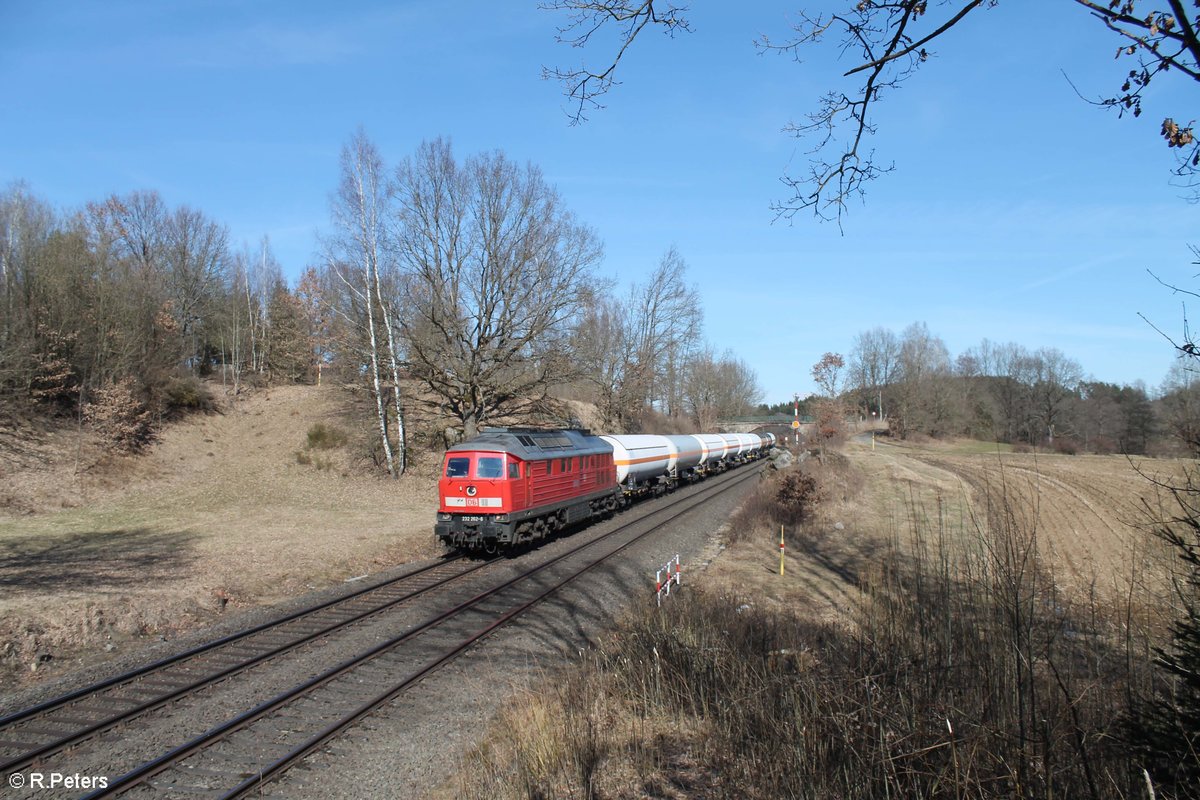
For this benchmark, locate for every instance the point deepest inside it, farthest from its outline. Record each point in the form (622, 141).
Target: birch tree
(357, 251)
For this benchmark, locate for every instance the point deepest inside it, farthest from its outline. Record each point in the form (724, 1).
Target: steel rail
(81, 734)
(332, 730)
(143, 773)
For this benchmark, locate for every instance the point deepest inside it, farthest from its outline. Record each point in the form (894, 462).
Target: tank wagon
(512, 486)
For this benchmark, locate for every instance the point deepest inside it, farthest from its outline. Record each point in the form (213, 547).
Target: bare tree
(1055, 384)
(831, 413)
(600, 343)
(718, 388)
(495, 271)
(828, 374)
(360, 209)
(195, 263)
(665, 327)
(25, 225)
(1180, 403)
(140, 221)
(873, 359)
(923, 377)
(315, 309)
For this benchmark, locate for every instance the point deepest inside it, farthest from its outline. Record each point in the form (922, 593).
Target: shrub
(1164, 725)
(182, 394)
(1066, 446)
(325, 437)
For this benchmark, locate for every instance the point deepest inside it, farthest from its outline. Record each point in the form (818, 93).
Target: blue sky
(1016, 211)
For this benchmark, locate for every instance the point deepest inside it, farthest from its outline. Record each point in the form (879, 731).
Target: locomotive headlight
(471, 491)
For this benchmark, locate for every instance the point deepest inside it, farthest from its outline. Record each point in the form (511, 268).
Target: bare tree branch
(890, 38)
(880, 32)
(588, 17)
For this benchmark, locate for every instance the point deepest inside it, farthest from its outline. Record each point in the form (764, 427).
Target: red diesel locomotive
(511, 486)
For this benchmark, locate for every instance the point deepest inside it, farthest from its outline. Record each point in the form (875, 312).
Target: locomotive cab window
(458, 467)
(489, 467)
(514, 469)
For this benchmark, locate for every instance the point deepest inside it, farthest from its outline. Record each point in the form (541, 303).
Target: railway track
(234, 757)
(36, 733)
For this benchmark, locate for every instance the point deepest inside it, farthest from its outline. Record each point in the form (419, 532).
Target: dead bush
(1066, 446)
(118, 414)
(795, 497)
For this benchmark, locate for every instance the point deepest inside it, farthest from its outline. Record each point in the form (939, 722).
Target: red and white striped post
(663, 587)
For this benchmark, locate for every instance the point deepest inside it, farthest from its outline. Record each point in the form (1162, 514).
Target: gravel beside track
(416, 743)
(406, 747)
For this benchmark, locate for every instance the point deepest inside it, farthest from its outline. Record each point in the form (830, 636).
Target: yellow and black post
(780, 549)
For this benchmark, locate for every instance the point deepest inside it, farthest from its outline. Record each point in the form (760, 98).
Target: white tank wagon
(642, 461)
(713, 452)
(688, 454)
(744, 447)
(735, 445)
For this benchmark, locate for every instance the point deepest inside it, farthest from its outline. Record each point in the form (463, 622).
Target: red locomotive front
(483, 482)
(509, 486)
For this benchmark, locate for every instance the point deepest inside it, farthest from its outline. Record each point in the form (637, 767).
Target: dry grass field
(1090, 516)
(96, 554)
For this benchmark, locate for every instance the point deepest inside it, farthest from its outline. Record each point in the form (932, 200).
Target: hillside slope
(220, 513)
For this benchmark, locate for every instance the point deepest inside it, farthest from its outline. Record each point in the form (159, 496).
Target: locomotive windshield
(489, 467)
(457, 467)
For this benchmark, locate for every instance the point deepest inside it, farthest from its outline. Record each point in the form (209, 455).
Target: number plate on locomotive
(471, 518)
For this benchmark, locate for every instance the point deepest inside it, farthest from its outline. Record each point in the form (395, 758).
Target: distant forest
(1008, 393)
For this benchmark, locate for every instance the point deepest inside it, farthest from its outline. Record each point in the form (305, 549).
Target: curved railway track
(233, 758)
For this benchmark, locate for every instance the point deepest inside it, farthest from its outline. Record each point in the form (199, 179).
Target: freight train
(513, 486)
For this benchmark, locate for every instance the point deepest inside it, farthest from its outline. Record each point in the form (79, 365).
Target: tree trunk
(380, 409)
(402, 460)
